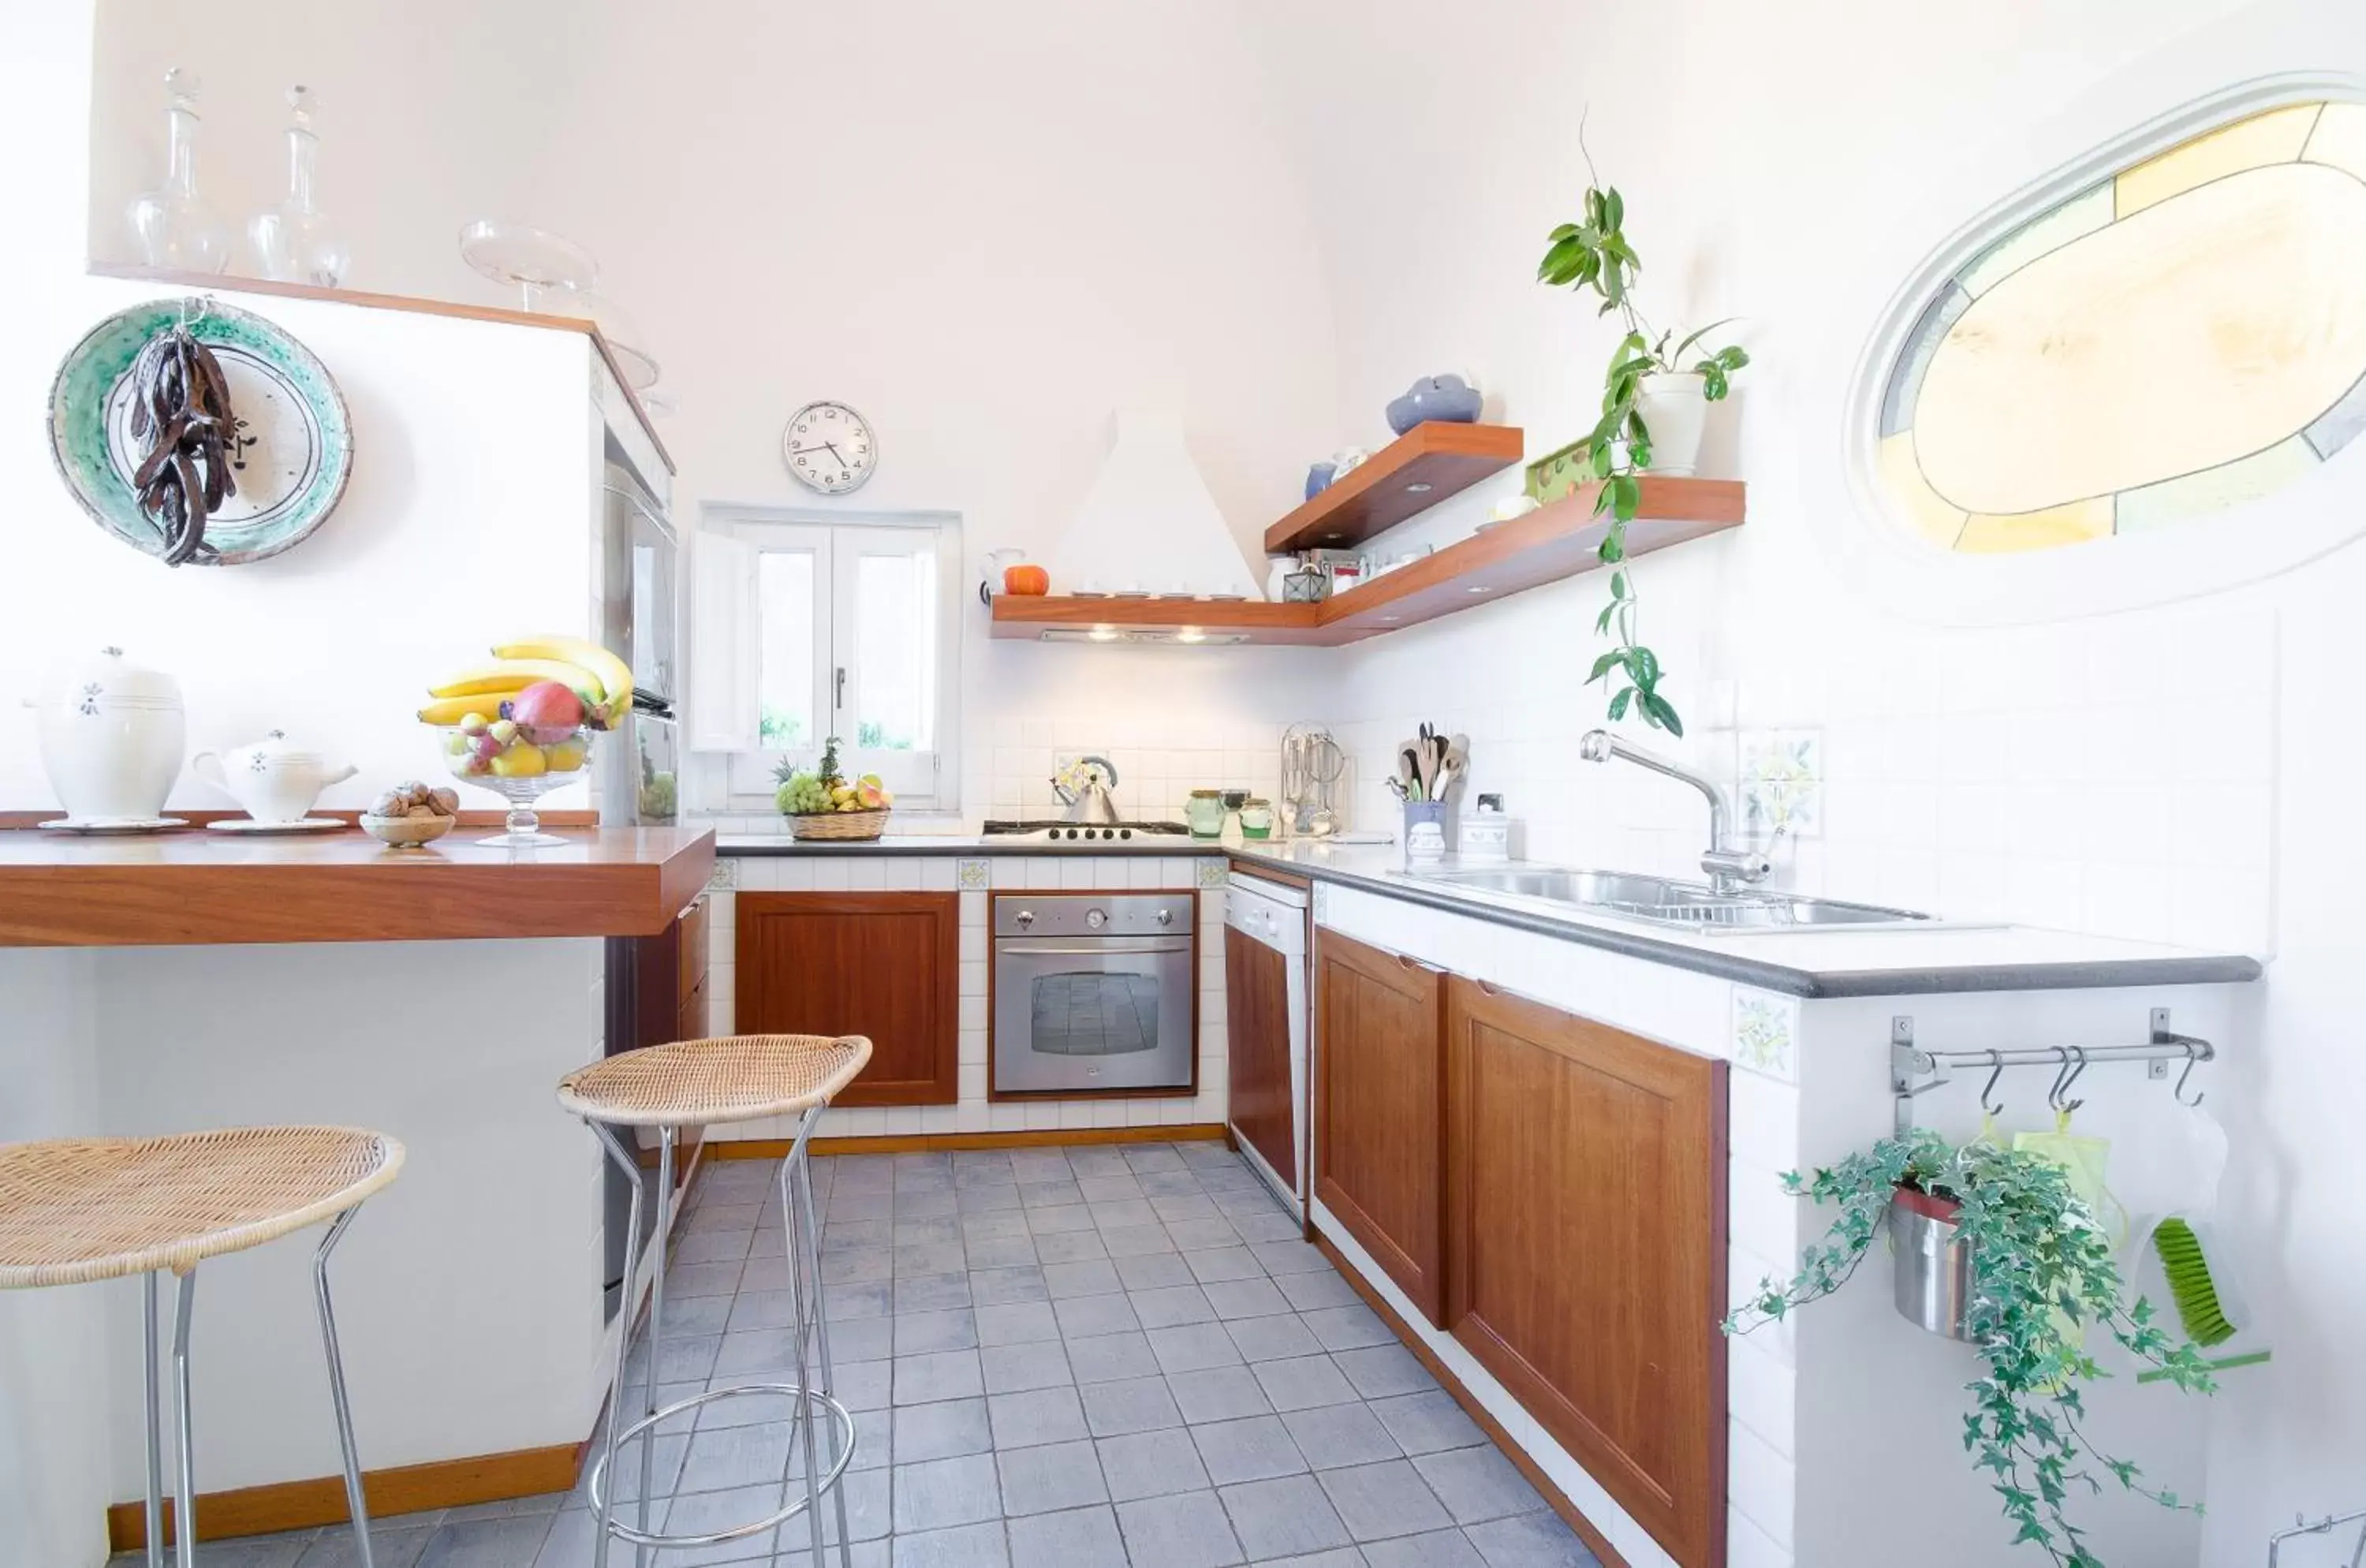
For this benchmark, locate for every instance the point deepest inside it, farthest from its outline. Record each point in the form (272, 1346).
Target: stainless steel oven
(1094, 992)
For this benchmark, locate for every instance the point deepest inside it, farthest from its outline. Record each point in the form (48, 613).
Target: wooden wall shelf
(1546, 545)
(1413, 473)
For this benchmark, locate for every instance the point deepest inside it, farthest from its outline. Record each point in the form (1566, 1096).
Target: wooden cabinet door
(882, 965)
(1585, 1248)
(1379, 1110)
(1256, 1075)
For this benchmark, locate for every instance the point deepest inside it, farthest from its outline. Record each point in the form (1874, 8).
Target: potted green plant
(2038, 1272)
(1654, 407)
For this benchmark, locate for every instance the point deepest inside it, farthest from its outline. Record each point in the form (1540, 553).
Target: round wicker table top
(79, 1208)
(739, 1077)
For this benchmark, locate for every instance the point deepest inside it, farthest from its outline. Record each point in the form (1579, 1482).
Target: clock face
(829, 447)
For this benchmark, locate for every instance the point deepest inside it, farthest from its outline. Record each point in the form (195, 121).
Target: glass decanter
(177, 231)
(296, 242)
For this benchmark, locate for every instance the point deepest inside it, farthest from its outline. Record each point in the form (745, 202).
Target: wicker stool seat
(75, 1209)
(80, 1209)
(697, 1083)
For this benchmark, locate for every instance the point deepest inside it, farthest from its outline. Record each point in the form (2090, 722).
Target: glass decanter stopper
(295, 242)
(177, 229)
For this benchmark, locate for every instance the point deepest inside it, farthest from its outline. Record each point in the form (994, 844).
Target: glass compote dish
(520, 763)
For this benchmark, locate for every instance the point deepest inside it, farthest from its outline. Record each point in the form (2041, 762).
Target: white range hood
(1149, 525)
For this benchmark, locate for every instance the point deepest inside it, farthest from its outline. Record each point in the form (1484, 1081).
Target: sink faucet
(1729, 869)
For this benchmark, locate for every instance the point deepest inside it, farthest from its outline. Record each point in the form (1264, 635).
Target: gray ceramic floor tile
(861, 1339)
(1059, 1219)
(335, 1549)
(1376, 1501)
(947, 1374)
(1168, 1183)
(946, 1492)
(865, 1385)
(253, 1552)
(1140, 1157)
(991, 1226)
(568, 1545)
(1189, 1529)
(760, 1350)
(1037, 1416)
(678, 1361)
(735, 1456)
(1151, 1464)
(995, 1287)
(1348, 1327)
(1278, 1227)
(1255, 1448)
(1069, 1246)
(1530, 1540)
(1185, 1206)
(1106, 1189)
(1050, 1195)
(1427, 1423)
(1016, 1323)
(1199, 1235)
(1138, 1241)
(996, 1198)
(836, 1235)
(1272, 1338)
(1224, 1263)
(940, 1231)
(1095, 1277)
(1246, 1298)
(1437, 1549)
(1083, 1317)
(1331, 1436)
(929, 1292)
(1082, 1538)
(1153, 1270)
(1477, 1484)
(751, 1310)
(687, 1317)
(1384, 1369)
(872, 1298)
(1303, 1383)
(665, 1469)
(1123, 1213)
(1218, 1393)
(1190, 1346)
(476, 1543)
(1050, 1478)
(855, 1264)
(1105, 1358)
(941, 1431)
(1284, 1517)
(925, 1333)
(1310, 1292)
(712, 1216)
(1002, 1252)
(1169, 1305)
(929, 1203)
(1013, 1369)
(704, 1513)
(970, 1546)
(1138, 1404)
(1337, 1557)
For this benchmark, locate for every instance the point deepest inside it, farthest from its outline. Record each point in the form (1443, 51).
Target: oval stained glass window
(2184, 335)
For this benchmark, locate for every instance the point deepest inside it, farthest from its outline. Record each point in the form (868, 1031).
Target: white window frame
(727, 642)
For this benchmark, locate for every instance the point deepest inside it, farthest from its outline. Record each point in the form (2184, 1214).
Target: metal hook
(2068, 1105)
(1996, 1071)
(194, 308)
(2199, 1095)
(2061, 1077)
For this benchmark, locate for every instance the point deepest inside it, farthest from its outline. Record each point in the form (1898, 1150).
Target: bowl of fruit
(822, 803)
(522, 726)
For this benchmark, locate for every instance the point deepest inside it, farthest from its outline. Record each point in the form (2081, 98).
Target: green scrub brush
(2187, 1269)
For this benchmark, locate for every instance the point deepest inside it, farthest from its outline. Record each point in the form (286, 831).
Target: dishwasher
(1266, 1025)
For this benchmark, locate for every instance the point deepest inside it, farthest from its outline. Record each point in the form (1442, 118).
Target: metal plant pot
(1932, 1264)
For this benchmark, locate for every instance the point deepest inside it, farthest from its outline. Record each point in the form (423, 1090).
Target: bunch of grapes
(801, 794)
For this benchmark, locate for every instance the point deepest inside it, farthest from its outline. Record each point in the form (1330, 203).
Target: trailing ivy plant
(1594, 254)
(2041, 1271)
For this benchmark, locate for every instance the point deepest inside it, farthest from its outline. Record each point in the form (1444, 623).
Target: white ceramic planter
(112, 739)
(1676, 409)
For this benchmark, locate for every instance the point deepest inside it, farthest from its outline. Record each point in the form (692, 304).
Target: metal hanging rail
(1914, 1071)
(2324, 1526)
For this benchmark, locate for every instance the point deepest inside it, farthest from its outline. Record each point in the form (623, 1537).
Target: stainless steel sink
(1663, 902)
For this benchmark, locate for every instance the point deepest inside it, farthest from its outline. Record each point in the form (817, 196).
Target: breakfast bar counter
(196, 887)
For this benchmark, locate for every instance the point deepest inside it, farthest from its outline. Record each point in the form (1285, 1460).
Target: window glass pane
(895, 651)
(784, 598)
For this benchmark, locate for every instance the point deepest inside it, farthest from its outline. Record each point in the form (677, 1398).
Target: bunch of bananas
(603, 680)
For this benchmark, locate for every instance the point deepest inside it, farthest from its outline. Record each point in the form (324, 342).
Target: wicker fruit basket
(845, 827)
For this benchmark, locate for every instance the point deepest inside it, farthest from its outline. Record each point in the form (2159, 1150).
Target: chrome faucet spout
(1728, 868)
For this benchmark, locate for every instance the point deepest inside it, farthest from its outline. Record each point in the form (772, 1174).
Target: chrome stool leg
(657, 1317)
(184, 1484)
(805, 1245)
(155, 1424)
(345, 1446)
(624, 1314)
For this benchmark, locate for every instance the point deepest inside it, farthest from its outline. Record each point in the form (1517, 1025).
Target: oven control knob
(1025, 918)
(1096, 918)
(1165, 917)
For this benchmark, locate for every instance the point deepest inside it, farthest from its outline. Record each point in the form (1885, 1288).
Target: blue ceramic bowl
(1448, 398)
(1318, 478)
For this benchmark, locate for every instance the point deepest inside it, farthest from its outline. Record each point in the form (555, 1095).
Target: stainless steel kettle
(1087, 801)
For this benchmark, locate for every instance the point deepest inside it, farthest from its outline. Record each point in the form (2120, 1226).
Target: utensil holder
(1931, 1264)
(1419, 811)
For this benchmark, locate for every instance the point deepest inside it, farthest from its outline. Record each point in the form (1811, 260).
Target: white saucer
(249, 825)
(115, 824)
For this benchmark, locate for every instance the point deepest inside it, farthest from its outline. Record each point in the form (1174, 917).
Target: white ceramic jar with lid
(272, 780)
(113, 735)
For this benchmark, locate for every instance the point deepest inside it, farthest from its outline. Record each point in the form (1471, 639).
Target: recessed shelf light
(1104, 633)
(1190, 634)
(1418, 489)
(1480, 589)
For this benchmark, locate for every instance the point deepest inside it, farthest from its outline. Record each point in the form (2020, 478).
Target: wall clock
(829, 447)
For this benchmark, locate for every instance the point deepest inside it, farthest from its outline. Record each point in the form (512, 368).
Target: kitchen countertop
(192, 886)
(1825, 962)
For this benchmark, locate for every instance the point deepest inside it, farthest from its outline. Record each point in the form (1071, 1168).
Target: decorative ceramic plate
(293, 448)
(249, 825)
(115, 824)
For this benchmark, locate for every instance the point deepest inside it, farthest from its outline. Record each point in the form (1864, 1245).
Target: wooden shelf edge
(1450, 457)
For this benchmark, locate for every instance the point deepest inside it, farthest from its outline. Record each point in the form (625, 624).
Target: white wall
(2119, 774)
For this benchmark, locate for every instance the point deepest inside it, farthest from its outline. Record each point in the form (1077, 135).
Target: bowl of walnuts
(411, 816)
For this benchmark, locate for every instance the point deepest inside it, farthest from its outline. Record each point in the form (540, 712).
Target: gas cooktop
(1061, 832)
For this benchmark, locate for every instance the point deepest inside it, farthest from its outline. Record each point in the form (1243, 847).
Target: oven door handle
(1024, 949)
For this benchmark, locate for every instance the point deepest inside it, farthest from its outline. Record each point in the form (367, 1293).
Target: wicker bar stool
(74, 1209)
(698, 1083)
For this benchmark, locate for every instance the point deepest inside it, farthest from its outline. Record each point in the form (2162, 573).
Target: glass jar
(1204, 813)
(1256, 817)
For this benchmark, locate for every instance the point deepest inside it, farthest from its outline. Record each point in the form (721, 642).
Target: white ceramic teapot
(273, 781)
(112, 737)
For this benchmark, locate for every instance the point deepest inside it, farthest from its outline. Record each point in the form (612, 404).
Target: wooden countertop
(192, 886)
